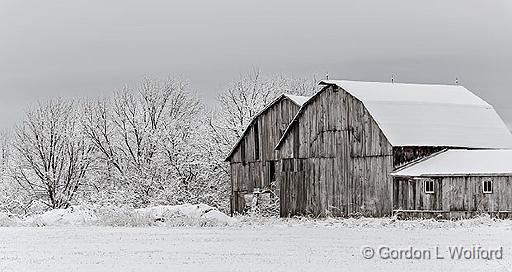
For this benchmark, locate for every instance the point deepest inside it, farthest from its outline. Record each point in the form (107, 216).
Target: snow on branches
(155, 143)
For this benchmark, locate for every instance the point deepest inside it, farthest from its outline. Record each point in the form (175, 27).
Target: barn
(337, 155)
(253, 160)
(454, 184)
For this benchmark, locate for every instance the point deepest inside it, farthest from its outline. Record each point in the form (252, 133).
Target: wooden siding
(336, 160)
(461, 195)
(247, 170)
(409, 194)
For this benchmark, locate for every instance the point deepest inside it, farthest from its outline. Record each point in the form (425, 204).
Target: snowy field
(272, 245)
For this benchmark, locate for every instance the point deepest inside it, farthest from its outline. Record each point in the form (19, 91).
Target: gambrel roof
(427, 115)
(461, 163)
(296, 99)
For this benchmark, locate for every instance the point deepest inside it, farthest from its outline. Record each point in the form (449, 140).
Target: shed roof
(460, 163)
(429, 115)
(296, 99)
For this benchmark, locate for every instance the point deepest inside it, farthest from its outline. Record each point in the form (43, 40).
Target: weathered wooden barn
(338, 153)
(455, 183)
(253, 160)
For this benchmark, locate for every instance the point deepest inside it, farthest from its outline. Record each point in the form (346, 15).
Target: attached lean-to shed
(253, 160)
(338, 152)
(456, 183)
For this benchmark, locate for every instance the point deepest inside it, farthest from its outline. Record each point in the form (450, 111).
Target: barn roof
(461, 163)
(296, 99)
(428, 115)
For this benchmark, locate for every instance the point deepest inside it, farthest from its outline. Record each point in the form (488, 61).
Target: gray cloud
(89, 48)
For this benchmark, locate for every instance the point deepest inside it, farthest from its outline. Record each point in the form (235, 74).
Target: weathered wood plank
(348, 159)
(247, 170)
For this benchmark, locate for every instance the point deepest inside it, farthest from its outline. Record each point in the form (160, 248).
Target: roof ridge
(332, 81)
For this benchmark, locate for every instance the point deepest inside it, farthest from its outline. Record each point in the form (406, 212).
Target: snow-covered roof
(296, 99)
(461, 163)
(430, 115)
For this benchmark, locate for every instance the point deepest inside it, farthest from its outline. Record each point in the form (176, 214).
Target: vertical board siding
(345, 158)
(254, 173)
(454, 195)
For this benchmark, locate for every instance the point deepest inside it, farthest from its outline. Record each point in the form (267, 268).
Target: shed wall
(454, 196)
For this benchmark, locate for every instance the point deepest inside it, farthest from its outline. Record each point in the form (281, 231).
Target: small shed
(455, 184)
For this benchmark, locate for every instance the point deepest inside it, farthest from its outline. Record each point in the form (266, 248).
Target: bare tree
(245, 97)
(99, 129)
(153, 144)
(5, 150)
(53, 155)
(147, 135)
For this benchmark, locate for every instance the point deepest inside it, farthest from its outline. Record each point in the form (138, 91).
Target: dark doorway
(271, 172)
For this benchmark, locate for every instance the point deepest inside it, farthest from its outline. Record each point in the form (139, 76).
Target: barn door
(292, 189)
(238, 202)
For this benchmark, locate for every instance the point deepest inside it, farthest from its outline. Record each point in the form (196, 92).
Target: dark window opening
(256, 142)
(242, 152)
(296, 142)
(272, 171)
(487, 186)
(429, 186)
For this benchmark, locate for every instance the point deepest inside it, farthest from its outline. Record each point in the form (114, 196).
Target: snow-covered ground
(164, 215)
(253, 245)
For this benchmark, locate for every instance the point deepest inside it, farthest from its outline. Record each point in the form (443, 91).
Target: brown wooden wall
(341, 160)
(248, 171)
(453, 195)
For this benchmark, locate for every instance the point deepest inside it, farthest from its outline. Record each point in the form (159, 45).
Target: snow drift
(202, 214)
(72, 216)
(8, 220)
(165, 215)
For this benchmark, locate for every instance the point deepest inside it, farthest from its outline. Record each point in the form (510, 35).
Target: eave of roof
(460, 162)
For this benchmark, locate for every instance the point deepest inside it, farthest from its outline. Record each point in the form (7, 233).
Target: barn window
(271, 171)
(242, 152)
(487, 186)
(256, 142)
(429, 186)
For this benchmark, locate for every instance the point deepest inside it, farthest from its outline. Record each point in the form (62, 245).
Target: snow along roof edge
(296, 99)
(461, 162)
(426, 114)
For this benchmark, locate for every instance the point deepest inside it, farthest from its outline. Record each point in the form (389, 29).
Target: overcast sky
(92, 47)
